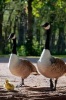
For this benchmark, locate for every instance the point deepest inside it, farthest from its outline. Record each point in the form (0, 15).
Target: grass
(59, 56)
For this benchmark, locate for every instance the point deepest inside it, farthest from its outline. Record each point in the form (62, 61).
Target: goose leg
(51, 84)
(55, 84)
(21, 84)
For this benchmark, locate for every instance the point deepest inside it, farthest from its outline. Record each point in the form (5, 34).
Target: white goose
(47, 65)
(19, 67)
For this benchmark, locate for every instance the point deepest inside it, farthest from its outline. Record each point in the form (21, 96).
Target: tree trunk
(22, 28)
(61, 40)
(29, 33)
(1, 38)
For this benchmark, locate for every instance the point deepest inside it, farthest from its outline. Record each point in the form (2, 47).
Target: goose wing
(58, 62)
(30, 65)
(58, 67)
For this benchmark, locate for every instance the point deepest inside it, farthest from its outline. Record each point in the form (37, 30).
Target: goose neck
(47, 43)
(14, 47)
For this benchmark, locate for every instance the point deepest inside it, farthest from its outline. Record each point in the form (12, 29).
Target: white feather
(13, 60)
(45, 58)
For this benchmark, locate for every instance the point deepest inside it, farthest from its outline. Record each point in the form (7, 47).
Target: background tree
(25, 17)
(54, 12)
(30, 28)
(1, 20)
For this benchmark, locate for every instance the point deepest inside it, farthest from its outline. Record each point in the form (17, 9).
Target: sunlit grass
(59, 56)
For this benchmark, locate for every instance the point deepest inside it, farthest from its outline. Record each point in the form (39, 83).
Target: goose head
(46, 26)
(12, 36)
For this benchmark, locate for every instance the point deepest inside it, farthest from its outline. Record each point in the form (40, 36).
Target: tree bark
(1, 38)
(61, 40)
(29, 32)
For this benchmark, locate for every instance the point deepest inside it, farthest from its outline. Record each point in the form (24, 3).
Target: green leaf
(7, 1)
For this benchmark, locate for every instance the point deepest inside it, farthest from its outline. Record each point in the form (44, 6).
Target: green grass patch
(59, 56)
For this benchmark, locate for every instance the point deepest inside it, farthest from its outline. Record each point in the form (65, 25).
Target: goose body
(48, 69)
(20, 67)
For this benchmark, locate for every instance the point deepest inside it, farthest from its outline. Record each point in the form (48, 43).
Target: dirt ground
(35, 88)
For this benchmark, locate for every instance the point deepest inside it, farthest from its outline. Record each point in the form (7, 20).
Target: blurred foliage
(37, 49)
(15, 16)
(21, 51)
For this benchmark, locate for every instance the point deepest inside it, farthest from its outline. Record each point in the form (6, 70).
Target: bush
(37, 49)
(7, 49)
(21, 51)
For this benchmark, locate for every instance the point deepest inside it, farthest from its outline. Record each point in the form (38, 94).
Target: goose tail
(35, 69)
